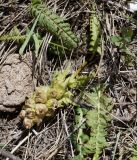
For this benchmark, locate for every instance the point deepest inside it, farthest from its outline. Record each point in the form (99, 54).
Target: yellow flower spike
(71, 82)
(29, 103)
(41, 94)
(28, 123)
(30, 113)
(68, 94)
(60, 76)
(41, 109)
(50, 113)
(37, 120)
(64, 101)
(46, 99)
(52, 103)
(56, 92)
(22, 114)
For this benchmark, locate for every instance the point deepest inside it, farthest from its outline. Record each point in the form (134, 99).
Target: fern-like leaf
(54, 24)
(134, 153)
(133, 158)
(91, 136)
(14, 35)
(8, 37)
(97, 120)
(94, 33)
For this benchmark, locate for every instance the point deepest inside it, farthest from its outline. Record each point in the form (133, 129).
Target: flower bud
(28, 123)
(41, 109)
(41, 94)
(22, 114)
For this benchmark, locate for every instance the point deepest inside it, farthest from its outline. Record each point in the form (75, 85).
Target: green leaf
(15, 31)
(81, 137)
(134, 153)
(94, 33)
(37, 42)
(116, 40)
(14, 35)
(133, 158)
(21, 51)
(97, 119)
(91, 136)
(128, 52)
(127, 34)
(79, 157)
(36, 1)
(2, 145)
(54, 24)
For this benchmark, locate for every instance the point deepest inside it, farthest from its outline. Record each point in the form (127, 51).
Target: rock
(15, 83)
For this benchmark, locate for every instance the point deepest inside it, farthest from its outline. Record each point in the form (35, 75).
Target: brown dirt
(15, 83)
